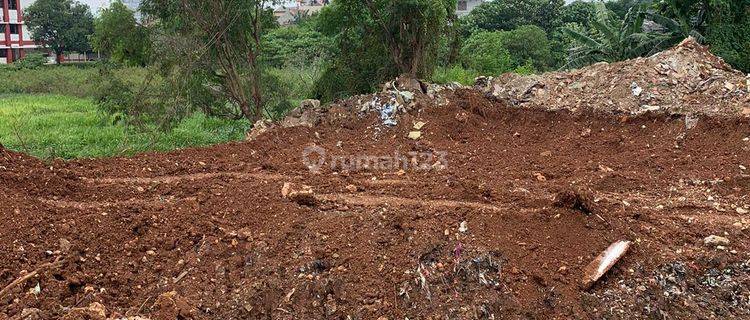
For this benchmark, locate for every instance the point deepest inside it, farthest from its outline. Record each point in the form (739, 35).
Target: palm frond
(605, 30)
(698, 36)
(582, 38)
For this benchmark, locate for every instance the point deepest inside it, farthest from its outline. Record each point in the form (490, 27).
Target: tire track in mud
(88, 205)
(369, 200)
(358, 200)
(349, 199)
(229, 174)
(376, 201)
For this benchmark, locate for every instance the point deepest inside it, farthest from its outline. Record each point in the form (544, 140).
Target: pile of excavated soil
(686, 79)
(207, 234)
(491, 211)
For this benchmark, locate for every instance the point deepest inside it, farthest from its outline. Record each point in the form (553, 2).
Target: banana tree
(677, 21)
(611, 39)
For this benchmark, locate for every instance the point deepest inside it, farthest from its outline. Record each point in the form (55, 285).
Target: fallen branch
(50, 265)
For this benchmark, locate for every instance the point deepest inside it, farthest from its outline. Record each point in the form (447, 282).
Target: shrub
(484, 52)
(31, 61)
(454, 74)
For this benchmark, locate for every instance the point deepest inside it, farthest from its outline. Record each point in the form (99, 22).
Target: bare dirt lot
(503, 228)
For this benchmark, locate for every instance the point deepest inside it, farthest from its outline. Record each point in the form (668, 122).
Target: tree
(496, 52)
(294, 44)
(408, 28)
(612, 39)
(119, 36)
(579, 12)
(380, 39)
(727, 31)
(484, 52)
(61, 25)
(216, 46)
(528, 45)
(621, 7)
(511, 14)
(722, 24)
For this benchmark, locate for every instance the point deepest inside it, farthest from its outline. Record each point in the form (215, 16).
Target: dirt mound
(24, 174)
(686, 79)
(419, 201)
(469, 220)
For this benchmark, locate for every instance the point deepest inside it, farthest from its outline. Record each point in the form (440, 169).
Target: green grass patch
(56, 126)
(451, 74)
(69, 80)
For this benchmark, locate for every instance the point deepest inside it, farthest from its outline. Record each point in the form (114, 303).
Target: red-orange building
(15, 39)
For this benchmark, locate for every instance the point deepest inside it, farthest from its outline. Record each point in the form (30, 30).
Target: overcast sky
(95, 4)
(98, 4)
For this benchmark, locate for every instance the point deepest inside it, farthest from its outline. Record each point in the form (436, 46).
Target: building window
(13, 5)
(14, 29)
(3, 53)
(463, 5)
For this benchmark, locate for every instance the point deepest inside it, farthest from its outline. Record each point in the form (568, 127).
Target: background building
(465, 6)
(15, 39)
(290, 13)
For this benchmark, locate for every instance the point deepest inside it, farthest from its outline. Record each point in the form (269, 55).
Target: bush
(31, 61)
(525, 48)
(295, 45)
(484, 52)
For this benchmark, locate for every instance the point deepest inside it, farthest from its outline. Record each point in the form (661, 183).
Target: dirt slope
(479, 233)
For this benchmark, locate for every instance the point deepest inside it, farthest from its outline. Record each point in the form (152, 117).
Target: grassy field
(49, 112)
(55, 126)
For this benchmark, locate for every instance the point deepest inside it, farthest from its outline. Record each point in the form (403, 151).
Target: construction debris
(603, 262)
(387, 243)
(714, 240)
(301, 194)
(95, 311)
(684, 79)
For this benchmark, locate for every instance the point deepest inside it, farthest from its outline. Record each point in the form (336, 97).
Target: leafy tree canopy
(118, 35)
(380, 39)
(61, 25)
(484, 52)
(511, 14)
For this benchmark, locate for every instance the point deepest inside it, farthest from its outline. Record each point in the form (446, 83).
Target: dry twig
(49, 265)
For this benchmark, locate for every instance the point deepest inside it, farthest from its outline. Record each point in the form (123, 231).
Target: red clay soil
(503, 229)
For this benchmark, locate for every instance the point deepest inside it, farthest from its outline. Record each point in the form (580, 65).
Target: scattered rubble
(95, 311)
(714, 240)
(684, 79)
(571, 199)
(301, 194)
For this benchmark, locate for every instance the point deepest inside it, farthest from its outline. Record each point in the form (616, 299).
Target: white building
(15, 38)
(466, 6)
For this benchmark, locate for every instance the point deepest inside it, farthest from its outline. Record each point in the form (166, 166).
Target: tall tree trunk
(253, 53)
(255, 89)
